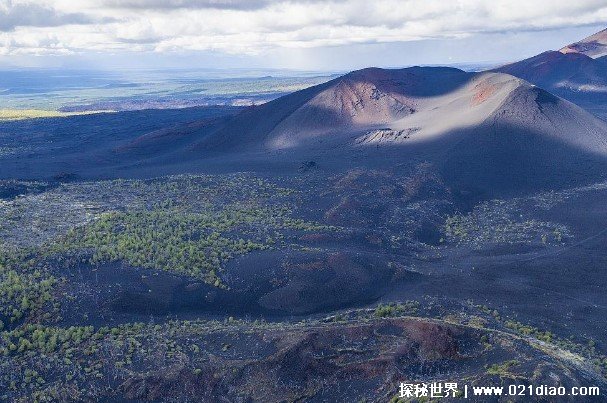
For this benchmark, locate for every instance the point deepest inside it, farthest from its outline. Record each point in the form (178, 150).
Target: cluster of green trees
(45, 339)
(185, 243)
(48, 363)
(396, 309)
(503, 369)
(491, 227)
(529, 331)
(190, 243)
(21, 292)
(23, 285)
(457, 226)
(584, 349)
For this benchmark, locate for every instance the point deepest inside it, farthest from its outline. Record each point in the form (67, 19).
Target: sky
(296, 34)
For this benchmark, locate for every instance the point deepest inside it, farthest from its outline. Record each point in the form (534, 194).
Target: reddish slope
(416, 105)
(487, 131)
(354, 102)
(593, 46)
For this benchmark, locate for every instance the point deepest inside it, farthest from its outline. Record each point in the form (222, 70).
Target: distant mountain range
(497, 131)
(400, 107)
(415, 105)
(594, 46)
(577, 71)
(486, 130)
(562, 72)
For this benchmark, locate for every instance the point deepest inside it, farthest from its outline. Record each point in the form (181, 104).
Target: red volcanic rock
(594, 45)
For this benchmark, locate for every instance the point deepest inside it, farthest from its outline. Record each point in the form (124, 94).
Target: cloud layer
(13, 15)
(191, 4)
(254, 27)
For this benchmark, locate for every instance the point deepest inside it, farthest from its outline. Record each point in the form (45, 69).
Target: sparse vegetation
(20, 114)
(502, 370)
(396, 309)
(194, 244)
(500, 222)
(24, 285)
(191, 226)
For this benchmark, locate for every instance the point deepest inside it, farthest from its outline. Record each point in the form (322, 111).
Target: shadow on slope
(85, 145)
(557, 71)
(361, 98)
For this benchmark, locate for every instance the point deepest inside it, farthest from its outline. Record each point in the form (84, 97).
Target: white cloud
(191, 4)
(16, 13)
(256, 26)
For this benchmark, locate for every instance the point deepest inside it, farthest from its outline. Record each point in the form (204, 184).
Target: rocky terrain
(268, 281)
(389, 226)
